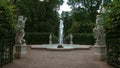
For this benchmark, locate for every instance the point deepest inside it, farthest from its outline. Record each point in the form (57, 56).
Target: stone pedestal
(50, 39)
(71, 42)
(20, 51)
(50, 42)
(99, 52)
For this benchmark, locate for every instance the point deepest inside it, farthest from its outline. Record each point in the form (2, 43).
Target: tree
(7, 19)
(84, 12)
(42, 16)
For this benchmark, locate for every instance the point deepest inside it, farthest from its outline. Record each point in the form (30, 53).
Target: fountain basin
(65, 47)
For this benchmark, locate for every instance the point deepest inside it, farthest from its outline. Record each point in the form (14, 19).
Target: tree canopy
(7, 19)
(83, 15)
(42, 16)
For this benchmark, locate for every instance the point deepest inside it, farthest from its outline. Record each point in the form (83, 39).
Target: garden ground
(58, 59)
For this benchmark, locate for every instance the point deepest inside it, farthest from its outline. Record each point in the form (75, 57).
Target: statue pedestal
(20, 51)
(71, 42)
(99, 52)
(50, 42)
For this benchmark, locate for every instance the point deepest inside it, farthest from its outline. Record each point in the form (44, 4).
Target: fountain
(61, 32)
(61, 46)
(61, 26)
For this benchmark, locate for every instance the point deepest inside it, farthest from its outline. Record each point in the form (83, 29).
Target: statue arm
(25, 19)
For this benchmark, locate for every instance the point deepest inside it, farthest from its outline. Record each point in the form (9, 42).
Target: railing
(6, 51)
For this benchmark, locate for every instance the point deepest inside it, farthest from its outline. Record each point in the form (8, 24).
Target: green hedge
(113, 49)
(39, 38)
(112, 27)
(6, 51)
(7, 31)
(83, 39)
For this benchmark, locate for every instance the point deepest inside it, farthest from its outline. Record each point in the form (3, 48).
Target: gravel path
(58, 59)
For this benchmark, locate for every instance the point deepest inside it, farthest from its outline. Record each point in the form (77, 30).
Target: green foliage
(112, 26)
(39, 38)
(7, 31)
(84, 13)
(7, 22)
(74, 28)
(82, 39)
(42, 16)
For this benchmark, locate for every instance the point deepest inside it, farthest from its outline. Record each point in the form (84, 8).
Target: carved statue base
(20, 51)
(99, 52)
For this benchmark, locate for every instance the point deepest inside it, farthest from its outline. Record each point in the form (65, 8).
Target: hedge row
(7, 31)
(83, 39)
(112, 26)
(39, 38)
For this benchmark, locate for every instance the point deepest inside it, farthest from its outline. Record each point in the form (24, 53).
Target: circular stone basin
(61, 47)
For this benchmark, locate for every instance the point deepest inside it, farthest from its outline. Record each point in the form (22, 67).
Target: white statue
(50, 39)
(99, 31)
(20, 30)
(71, 39)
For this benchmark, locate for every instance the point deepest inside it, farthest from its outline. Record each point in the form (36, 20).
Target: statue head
(20, 17)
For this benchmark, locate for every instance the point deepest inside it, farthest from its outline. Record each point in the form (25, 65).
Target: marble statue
(50, 39)
(20, 30)
(99, 31)
(71, 39)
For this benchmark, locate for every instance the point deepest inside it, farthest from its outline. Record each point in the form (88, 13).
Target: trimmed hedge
(112, 27)
(39, 38)
(82, 39)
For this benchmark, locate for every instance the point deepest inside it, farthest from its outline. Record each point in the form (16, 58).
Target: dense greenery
(39, 38)
(42, 15)
(82, 39)
(83, 15)
(7, 22)
(7, 31)
(81, 20)
(112, 26)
